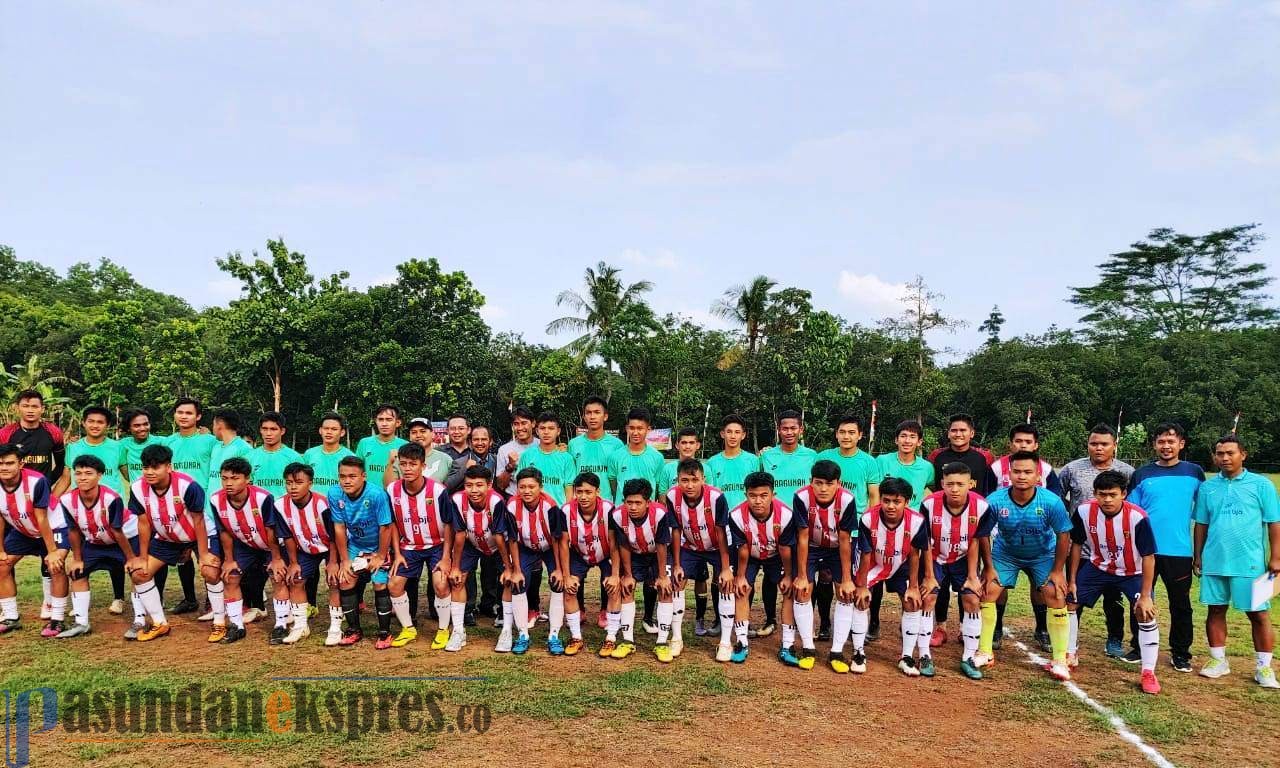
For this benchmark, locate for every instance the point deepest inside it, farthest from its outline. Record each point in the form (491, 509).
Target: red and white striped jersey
(420, 517)
(1116, 544)
(170, 519)
(95, 522)
(1000, 468)
(952, 534)
(479, 524)
(824, 521)
(645, 535)
(890, 547)
(699, 522)
(533, 526)
(18, 506)
(249, 523)
(763, 537)
(306, 523)
(589, 539)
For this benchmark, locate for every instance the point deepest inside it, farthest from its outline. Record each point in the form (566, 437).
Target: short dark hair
(132, 414)
(352, 461)
(896, 486)
(637, 486)
(237, 465)
(29, 394)
(825, 470)
(101, 411)
(1025, 456)
(758, 480)
(1109, 479)
(10, 449)
(229, 417)
(790, 413)
(851, 418)
(596, 400)
(689, 467)
(966, 418)
(275, 417)
(521, 412)
(910, 425)
(395, 410)
(956, 468)
(532, 473)
(1025, 429)
(546, 416)
(333, 416)
(587, 478)
(1169, 426)
(478, 471)
(1104, 429)
(299, 468)
(688, 432)
(639, 413)
(733, 418)
(189, 401)
(156, 454)
(412, 452)
(456, 415)
(1230, 437)
(485, 427)
(91, 462)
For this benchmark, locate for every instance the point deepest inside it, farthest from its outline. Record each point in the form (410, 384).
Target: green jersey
(108, 451)
(856, 472)
(557, 469)
(193, 455)
(437, 465)
(593, 455)
(237, 448)
(648, 465)
(729, 475)
(919, 473)
(375, 453)
(268, 467)
(326, 468)
(790, 470)
(671, 474)
(131, 454)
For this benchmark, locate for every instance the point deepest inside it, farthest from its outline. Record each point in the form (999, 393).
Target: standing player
(26, 529)
(1166, 488)
(588, 545)
(138, 423)
(1033, 537)
(699, 514)
(1237, 519)
(534, 523)
(270, 459)
(1112, 545)
(763, 531)
(362, 533)
(96, 420)
(832, 516)
(555, 464)
(509, 452)
(100, 534)
(728, 469)
(42, 449)
(379, 449)
(960, 526)
(306, 514)
(327, 457)
(591, 451)
(480, 454)
(789, 463)
(907, 463)
(479, 538)
(193, 456)
(249, 530)
(642, 538)
(638, 460)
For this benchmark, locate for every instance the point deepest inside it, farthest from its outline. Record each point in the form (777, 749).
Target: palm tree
(746, 305)
(30, 375)
(598, 310)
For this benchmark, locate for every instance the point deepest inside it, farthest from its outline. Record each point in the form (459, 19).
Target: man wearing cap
(437, 464)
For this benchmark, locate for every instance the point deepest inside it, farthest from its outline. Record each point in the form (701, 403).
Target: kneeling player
(1112, 545)
(248, 530)
(101, 534)
(699, 515)
(534, 522)
(960, 532)
(588, 545)
(310, 549)
(170, 506)
(480, 515)
(362, 533)
(891, 538)
(641, 537)
(423, 514)
(25, 529)
(763, 532)
(831, 513)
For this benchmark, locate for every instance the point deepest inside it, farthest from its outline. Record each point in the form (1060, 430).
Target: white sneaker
(676, 646)
(1215, 668)
(334, 635)
(1266, 677)
(457, 641)
(205, 616)
(252, 615)
(724, 652)
(1060, 671)
(504, 642)
(116, 607)
(299, 631)
(981, 659)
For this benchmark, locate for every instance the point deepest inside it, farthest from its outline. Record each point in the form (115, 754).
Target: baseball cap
(420, 421)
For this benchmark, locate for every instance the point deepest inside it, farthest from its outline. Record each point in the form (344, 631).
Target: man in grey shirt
(1077, 488)
(509, 454)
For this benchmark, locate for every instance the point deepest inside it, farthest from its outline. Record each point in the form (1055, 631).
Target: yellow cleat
(663, 652)
(607, 649)
(574, 647)
(623, 650)
(151, 633)
(838, 663)
(441, 640)
(408, 635)
(806, 662)
(216, 634)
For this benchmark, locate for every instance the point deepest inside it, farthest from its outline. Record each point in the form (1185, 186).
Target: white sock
(46, 586)
(9, 606)
(858, 629)
(299, 613)
(925, 635)
(400, 607)
(628, 624)
(614, 622)
(740, 631)
(283, 611)
(788, 635)
(443, 611)
(139, 613)
(80, 607)
(841, 623)
(217, 603)
(1073, 631)
(555, 614)
(508, 616)
(1264, 657)
(59, 608)
(335, 617)
(677, 615)
(458, 615)
(804, 623)
(574, 620)
(910, 630)
(149, 596)
(520, 607)
(1218, 653)
(725, 606)
(1149, 644)
(663, 615)
(970, 632)
(235, 613)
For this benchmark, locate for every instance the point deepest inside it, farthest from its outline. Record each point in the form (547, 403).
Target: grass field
(586, 710)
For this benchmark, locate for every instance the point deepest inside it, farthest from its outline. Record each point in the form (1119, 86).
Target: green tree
(606, 300)
(992, 325)
(747, 306)
(108, 354)
(177, 365)
(921, 317)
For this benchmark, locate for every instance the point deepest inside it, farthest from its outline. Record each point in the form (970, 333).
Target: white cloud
(661, 258)
(874, 298)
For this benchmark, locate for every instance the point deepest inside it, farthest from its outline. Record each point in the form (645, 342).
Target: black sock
(411, 591)
(700, 606)
(351, 607)
(312, 585)
(650, 603)
(877, 595)
(116, 571)
(187, 575)
(1042, 618)
(999, 620)
(770, 600)
(823, 594)
(382, 603)
(161, 578)
(534, 590)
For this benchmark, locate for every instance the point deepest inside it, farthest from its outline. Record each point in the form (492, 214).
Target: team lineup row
(789, 513)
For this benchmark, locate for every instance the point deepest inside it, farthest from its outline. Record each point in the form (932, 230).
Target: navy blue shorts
(696, 564)
(310, 564)
(772, 569)
(951, 576)
(415, 559)
(18, 543)
(1092, 582)
(825, 559)
(169, 552)
(103, 557)
(249, 558)
(472, 557)
(579, 567)
(215, 547)
(644, 568)
(532, 560)
(898, 582)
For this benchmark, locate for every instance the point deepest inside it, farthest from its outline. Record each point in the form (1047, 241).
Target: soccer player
(170, 508)
(728, 469)
(270, 459)
(1033, 537)
(423, 513)
(534, 523)
(489, 591)
(688, 446)
(589, 545)
(226, 428)
(642, 538)
(789, 463)
(509, 452)
(327, 457)
(1235, 510)
(138, 423)
(1112, 545)
(832, 516)
(96, 420)
(1076, 479)
(591, 451)
(26, 529)
(458, 430)
(960, 526)
(1166, 488)
(555, 464)
(479, 539)
(638, 460)
(960, 447)
(892, 538)
(249, 530)
(100, 534)
(763, 531)
(379, 449)
(699, 514)
(311, 550)
(193, 456)
(907, 463)
(42, 448)
(362, 533)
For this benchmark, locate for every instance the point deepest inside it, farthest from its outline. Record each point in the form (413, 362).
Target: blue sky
(998, 150)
